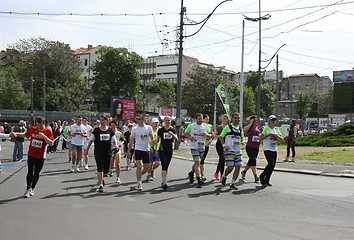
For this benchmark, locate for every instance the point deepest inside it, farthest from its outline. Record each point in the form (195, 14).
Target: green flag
(224, 97)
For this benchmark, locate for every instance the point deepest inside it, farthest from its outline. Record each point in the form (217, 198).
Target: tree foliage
(166, 91)
(64, 85)
(116, 73)
(325, 102)
(303, 105)
(12, 94)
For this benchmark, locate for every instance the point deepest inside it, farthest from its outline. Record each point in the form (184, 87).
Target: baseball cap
(271, 117)
(154, 120)
(129, 124)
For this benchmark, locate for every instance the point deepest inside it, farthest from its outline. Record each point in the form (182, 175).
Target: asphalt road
(67, 206)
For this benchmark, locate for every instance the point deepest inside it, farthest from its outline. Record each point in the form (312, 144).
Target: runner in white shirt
(89, 130)
(78, 133)
(141, 135)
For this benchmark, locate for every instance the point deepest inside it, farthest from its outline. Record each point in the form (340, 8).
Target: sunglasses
(138, 119)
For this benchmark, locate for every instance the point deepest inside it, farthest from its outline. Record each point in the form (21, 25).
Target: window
(86, 62)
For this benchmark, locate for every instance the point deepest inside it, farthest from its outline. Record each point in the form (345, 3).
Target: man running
(197, 134)
(232, 137)
(116, 156)
(40, 138)
(140, 135)
(78, 133)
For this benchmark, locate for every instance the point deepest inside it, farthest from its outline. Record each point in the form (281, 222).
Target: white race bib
(104, 137)
(167, 136)
(37, 143)
(235, 141)
(255, 139)
(144, 137)
(200, 142)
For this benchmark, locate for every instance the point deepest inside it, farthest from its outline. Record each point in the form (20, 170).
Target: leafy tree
(198, 94)
(12, 94)
(325, 102)
(166, 90)
(303, 105)
(116, 73)
(64, 86)
(252, 80)
(249, 105)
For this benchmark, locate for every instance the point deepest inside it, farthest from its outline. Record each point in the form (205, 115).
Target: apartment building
(87, 57)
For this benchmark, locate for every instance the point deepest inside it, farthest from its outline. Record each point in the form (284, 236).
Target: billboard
(123, 108)
(343, 76)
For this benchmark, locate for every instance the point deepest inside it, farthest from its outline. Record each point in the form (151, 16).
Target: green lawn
(344, 155)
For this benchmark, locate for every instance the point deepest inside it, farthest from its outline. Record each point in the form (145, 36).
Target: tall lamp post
(31, 85)
(259, 20)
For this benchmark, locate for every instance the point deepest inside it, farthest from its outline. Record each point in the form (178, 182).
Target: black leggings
(165, 158)
(35, 166)
(291, 144)
(221, 163)
(206, 150)
(102, 161)
(268, 170)
(252, 154)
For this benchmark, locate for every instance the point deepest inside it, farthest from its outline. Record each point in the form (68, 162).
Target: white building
(87, 57)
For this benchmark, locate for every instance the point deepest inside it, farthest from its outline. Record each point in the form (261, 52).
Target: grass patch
(343, 155)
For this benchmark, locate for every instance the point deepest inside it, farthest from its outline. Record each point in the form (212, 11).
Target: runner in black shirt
(166, 135)
(104, 138)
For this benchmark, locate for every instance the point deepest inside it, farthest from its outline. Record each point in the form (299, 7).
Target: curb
(298, 171)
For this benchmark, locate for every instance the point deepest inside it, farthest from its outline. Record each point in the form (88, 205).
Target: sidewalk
(302, 166)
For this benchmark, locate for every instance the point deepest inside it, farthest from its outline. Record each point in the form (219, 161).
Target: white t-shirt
(89, 131)
(197, 132)
(142, 136)
(77, 140)
(270, 143)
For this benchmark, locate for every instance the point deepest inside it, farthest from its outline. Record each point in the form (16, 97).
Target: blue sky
(318, 34)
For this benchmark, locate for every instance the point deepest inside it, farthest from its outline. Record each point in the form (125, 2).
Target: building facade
(87, 57)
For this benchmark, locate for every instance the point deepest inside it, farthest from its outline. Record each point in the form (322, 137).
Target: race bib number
(37, 143)
(235, 141)
(167, 136)
(104, 137)
(273, 142)
(144, 137)
(200, 142)
(255, 139)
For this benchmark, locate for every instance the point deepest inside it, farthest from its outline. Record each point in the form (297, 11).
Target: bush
(342, 136)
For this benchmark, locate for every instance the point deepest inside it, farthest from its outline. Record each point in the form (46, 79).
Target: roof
(87, 50)
(304, 75)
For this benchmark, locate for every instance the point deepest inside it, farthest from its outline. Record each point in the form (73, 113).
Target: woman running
(166, 135)
(219, 148)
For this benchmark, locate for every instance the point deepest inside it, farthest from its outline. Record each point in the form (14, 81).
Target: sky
(314, 36)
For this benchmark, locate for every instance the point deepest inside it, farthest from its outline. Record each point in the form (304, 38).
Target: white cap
(271, 117)
(154, 120)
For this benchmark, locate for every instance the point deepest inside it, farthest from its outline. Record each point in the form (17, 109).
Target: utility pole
(242, 73)
(31, 85)
(179, 76)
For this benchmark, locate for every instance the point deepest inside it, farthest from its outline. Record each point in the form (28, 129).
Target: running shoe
(164, 186)
(27, 193)
(217, 176)
(110, 174)
(268, 184)
(100, 189)
(286, 159)
(292, 160)
(232, 186)
(31, 193)
(77, 169)
(243, 175)
(223, 181)
(256, 178)
(191, 177)
(139, 187)
(73, 168)
(118, 181)
(152, 175)
(203, 178)
(86, 167)
(200, 183)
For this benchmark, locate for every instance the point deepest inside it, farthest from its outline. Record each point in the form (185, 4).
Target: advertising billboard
(343, 76)
(123, 108)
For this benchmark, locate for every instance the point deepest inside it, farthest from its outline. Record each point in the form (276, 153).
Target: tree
(116, 73)
(64, 86)
(166, 90)
(198, 94)
(303, 105)
(252, 80)
(325, 102)
(12, 94)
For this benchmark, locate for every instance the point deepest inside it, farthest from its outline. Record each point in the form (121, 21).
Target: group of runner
(152, 146)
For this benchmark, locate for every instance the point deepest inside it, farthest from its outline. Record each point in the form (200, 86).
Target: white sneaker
(86, 167)
(31, 193)
(139, 187)
(77, 169)
(27, 193)
(72, 168)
